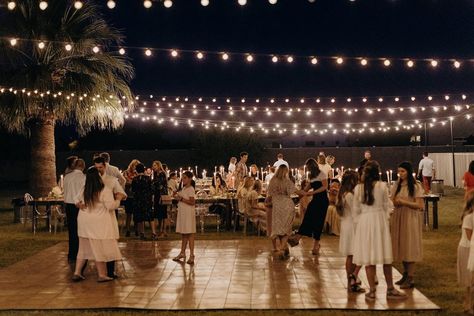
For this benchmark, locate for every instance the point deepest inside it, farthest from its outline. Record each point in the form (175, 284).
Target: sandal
(78, 277)
(353, 286)
(179, 257)
(190, 260)
(154, 237)
(370, 296)
(393, 294)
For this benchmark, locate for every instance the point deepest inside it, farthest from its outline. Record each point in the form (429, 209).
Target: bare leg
(370, 271)
(387, 271)
(101, 269)
(316, 246)
(79, 265)
(349, 266)
(191, 244)
(184, 243)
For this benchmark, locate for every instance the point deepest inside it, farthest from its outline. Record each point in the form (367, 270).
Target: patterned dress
(142, 192)
(283, 207)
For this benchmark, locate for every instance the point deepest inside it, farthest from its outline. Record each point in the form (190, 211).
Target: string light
(225, 56)
(148, 52)
(174, 53)
(168, 3)
(456, 64)
(434, 63)
(242, 2)
(272, 1)
(339, 60)
(11, 5)
(147, 4)
(363, 62)
(13, 41)
(290, 59)
(249, 58)
(204, 3)
(111, 4)
(200, 55)
(95, 49)
(43, 5)
(78, 5)
(274, 59)
(41, 45)
(314, 60)
(386, 62)
(68, 47)
(122, 51)
(410, 64)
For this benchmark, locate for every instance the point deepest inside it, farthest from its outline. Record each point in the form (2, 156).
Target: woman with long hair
(344, 201)
(129, 174)
(407, 223)
(160, 209)
(97, 227)
(372, 242)
(314, 218)
(468, 180)
(279, 191)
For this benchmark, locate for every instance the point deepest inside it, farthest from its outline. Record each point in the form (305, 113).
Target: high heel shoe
(190, 260)
(179, 257)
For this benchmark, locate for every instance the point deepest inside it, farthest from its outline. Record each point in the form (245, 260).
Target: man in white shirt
(74, 183)
(269, 176)
(426, 168)
(112, 182)
(280, 162)
(112, 170)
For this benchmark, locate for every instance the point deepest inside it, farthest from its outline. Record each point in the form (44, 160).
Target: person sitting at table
(97, 226)
(270, 174)
(219, 188)
(254, 171)
(407, 223)
(257, 211)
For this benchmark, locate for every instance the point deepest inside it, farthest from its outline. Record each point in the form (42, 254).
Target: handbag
(166, 199)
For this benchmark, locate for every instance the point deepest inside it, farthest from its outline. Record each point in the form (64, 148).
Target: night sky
(365, 28)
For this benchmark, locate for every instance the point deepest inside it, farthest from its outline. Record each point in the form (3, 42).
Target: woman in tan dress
(407, 223)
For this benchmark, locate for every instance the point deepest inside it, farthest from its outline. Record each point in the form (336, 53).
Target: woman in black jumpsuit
(313, 221)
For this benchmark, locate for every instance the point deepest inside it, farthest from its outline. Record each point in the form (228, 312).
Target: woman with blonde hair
(129, 174)
(279, 192)
(323, 165)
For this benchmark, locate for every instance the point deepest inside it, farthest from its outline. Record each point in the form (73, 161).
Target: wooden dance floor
(231, 274)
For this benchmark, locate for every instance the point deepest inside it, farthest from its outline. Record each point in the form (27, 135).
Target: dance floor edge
(228, 274)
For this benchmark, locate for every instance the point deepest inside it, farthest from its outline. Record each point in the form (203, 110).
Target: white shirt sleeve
(117, 188)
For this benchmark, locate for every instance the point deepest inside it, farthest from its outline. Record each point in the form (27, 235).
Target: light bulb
(339, 60)
(174, 53)
(249, 58)
(43, 5)
(290, 59)
(13, 41)
(272, 1)
(78, 5)
(148, 52)
(274, 59)
(204, 3)
(363, 62)
(122, 51)
(147, 4)
(314, 60)
(457, 64)
(434, 63)
(11, 5)
(68, 47)
(41, 45)
(111, 4)
(225, 56)
(168, 3)
(95, 49)
(242, 2)
(386, 62)
(200, 55)
(410, 63)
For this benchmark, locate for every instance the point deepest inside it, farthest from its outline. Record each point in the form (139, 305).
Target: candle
(307, 175)
(215, 178)
(215, 169)
(388, 177)
(196, 170)
(61, 181)
(414, 175)
(204, 173)
(180, 170)
(391, 176)
(304, 169)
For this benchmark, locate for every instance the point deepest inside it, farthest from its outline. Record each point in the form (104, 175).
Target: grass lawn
(435, 277)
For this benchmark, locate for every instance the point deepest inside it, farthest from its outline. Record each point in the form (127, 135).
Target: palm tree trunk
(43, 158)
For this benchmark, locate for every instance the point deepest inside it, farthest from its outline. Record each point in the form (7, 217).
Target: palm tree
(80, 87)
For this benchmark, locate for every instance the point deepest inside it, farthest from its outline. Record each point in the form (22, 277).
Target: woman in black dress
(313, 221)
(160, 188)
(141, 188)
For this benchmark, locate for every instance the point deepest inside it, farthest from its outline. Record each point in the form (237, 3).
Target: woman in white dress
(97, 226)
(372, 242)
(186, 218)
(344, 202)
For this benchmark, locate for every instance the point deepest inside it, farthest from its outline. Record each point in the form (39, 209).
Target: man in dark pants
(73, 185)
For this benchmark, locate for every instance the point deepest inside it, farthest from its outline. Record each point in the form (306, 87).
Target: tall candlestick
(196, 170)
(388, 177)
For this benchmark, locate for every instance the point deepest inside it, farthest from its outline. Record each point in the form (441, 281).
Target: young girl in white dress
(186, 218)
(344, 201)
(465, 260)
(372, 242)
